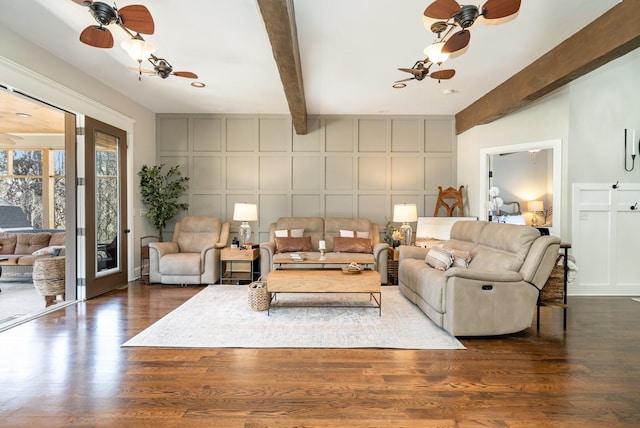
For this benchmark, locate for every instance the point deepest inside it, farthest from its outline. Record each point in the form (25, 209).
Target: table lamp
(535, 207)
(245, 213)
(405, 213)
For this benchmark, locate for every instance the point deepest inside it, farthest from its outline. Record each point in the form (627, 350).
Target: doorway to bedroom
(528, 177)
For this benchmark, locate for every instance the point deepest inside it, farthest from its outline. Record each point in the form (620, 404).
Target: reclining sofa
(324, 229)
(493, 280)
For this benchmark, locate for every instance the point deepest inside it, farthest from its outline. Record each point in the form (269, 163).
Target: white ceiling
(350, 51)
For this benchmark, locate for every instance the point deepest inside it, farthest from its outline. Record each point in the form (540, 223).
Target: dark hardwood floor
(67, 369)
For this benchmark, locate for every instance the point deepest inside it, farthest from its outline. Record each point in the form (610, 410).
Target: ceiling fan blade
(137, 18)
(443, 74)
(496, 9)
(405, 80)
(96, 36)
(458, 41)
(411, 70)
(187, 74)
(442, 9)
(83, 2)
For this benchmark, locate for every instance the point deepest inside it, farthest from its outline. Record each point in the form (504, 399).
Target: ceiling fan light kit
(137, 48)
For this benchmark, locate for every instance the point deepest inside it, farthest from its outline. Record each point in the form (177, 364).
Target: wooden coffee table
(325, 281)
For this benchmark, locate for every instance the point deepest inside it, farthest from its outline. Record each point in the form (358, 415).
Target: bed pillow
(293, 233)
(291, 244)
(439, 258)
(352, 245)
(353, 234)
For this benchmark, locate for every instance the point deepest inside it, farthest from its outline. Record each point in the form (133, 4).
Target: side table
(144, 254)
(243, 256)
(392, 266)
(554, 293)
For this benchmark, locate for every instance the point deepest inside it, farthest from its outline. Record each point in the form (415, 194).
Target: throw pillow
(352, 245)
(461, 258)
(353, 234)
(294, 233)
(439, 258)
(290, 244)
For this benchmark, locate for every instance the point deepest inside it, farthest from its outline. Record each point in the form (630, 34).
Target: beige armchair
(193, 255)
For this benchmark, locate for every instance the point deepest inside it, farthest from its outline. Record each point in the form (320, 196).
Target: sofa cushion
(294, 233)
(352, 245)
(8, 243)
(181, 264)
(30, 242)
(195, 233)
(353, 234)
(290, 244)
(439, 258)
(57, 238)
(503, 246)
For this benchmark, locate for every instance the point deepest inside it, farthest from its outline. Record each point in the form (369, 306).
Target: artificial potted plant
(160, 194)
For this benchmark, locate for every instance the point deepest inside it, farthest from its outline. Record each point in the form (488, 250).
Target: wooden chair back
(454, 196)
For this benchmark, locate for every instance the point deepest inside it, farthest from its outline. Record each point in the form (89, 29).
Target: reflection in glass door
(106, 203)
(106, 228)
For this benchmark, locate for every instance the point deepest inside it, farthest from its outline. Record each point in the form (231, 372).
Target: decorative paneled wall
(344, 166)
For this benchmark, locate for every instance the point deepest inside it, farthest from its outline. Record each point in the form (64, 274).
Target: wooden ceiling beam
(279, 20)
(611, 36)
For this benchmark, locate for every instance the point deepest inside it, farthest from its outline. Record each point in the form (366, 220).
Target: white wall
(588, 115)
(32, 70)
(545, 120)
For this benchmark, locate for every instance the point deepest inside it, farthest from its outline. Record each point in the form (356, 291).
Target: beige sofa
(325, 229)
(193, 255)
(496, 293)
(19, 249)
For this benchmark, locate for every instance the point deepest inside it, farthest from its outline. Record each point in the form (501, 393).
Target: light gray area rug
(219, 317)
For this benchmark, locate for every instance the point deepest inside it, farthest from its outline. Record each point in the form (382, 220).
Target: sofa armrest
(380, 250)
(484, 275)
(163, 248)
(267, 250)
(410, 252)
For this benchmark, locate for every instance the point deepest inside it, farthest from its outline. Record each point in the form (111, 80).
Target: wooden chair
(455, 198)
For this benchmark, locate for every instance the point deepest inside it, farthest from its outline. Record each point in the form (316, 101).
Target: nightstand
(243, 257)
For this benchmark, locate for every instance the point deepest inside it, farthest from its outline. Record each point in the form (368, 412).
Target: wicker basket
(48, 277)
(258, 295)
(553, 290)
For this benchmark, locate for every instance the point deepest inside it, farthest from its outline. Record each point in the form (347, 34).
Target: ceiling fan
(162, 68)
(450, 15)
(134, 18)
(420, 70)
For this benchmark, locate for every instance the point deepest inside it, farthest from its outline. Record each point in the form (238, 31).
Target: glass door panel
(106, 226)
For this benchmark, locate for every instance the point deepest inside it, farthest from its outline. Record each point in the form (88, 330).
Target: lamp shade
(138, 49)
(535, 206)
(434, 53)
(245, 212)
(405, 213)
